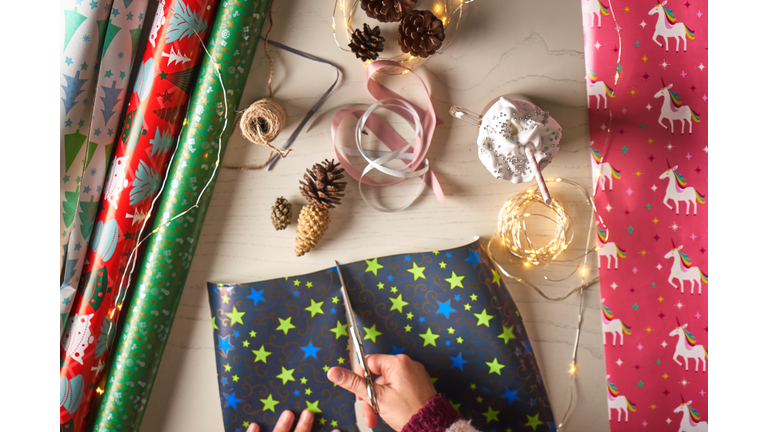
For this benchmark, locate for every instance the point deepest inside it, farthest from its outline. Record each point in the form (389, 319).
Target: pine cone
(387, 10)
(321, 185)
(281, 214)
(367, 44)
(421, 34)
(313, 222)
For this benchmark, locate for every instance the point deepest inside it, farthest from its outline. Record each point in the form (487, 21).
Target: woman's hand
(285, 422)
(401, 390)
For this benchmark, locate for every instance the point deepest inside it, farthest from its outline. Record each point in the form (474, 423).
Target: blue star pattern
(463, 340)
(273, 349)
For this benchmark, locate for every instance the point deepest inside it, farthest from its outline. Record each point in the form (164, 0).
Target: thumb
(349, 380)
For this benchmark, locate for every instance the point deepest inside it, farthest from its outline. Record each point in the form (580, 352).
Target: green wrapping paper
(163, 273)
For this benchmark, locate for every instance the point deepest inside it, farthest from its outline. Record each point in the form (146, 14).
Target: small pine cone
(313, 222)
(367, 44)
(387, 10)
(421, 33)
(321, 185)
(281, 214)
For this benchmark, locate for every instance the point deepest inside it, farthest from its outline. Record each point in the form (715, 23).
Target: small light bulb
(572, 370)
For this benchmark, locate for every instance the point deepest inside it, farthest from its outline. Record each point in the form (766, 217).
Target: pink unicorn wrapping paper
(648, 131)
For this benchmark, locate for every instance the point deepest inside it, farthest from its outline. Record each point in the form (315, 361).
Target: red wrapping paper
(155, 113)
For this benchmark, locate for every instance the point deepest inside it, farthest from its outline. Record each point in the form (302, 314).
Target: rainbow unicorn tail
(616, 173)
(631, 406)
(610, 92)
(689, 33)
(699, 197)
(627, 330)
(621, 252)
(706, 354)
(704, 277)
(695, 116)
(605, 11)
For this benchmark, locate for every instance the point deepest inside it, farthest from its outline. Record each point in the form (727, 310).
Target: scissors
(357, 340)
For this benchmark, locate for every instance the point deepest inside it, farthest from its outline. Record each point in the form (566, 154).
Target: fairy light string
(511, 228)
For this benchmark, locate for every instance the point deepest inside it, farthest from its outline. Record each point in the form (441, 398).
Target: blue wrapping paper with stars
(275, 340)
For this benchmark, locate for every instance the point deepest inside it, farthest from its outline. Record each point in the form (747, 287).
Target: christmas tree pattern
(87, 215)
(109, 35)
(176, 58)
(102, 26)
(135, 35)
(144, 78)
(69, 268)
(183, 79)
(171, 115)
(92, 146)
(147, 182)
(184, 23)
(162, 142)
(110, 99)
(70, 206)
(106, 336)
(72, 21)
(72, 144)
(72, 89)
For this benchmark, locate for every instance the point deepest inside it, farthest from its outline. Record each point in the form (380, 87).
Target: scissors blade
(357, 340)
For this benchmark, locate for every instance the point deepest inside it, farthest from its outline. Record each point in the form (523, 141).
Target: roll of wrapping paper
(169, 252)
(120, 43)
(153, 121)
(84, 27)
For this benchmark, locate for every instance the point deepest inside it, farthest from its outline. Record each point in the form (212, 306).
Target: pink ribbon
(399, 105)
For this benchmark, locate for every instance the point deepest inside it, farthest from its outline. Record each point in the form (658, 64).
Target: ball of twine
(263, 121)
(260, 124)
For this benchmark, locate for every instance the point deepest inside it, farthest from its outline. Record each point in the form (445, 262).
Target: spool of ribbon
(424, 122)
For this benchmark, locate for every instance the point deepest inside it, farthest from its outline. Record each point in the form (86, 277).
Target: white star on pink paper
(679, 305)
(674, 226)
(648, 107)
(698, 315)
(614, 286)
(603, 127)
(704, 97)
(683, 74)
(629, 191)
(639, 347)
(634, 270)
(688, 156)
(619, 362)
(706, 149)
(624, 110)
(670, 146)
(618, 27)
(663, 344)
(668, 420)
(684, 382)
(702, 392)
(699, 14)
(597, 45)
(701, 66)
(609, 208)
(659, 266)
(644, 423)
(643, 24)
(654, 188)
(693, 236)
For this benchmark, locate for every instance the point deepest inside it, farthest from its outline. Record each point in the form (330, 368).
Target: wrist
(436, 415)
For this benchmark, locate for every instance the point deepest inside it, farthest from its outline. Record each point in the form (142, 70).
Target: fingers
(305, 421)
(348, 380)
(285, 422)
(253, 427)
(370, 416)
(379, 364)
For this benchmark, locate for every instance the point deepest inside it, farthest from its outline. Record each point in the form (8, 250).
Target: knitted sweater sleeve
(437, 415)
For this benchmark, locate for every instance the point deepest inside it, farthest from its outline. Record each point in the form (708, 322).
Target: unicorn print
(617, 402)
(666, 27)
(603, 170)
(686, 348)
(614, 325)
(611, 252)
(677, 191)
(691, 421)
(598, 89)
(594, 9)
(683, 271)
(673, 110)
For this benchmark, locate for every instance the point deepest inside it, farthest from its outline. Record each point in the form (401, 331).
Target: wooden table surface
(532, 48)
